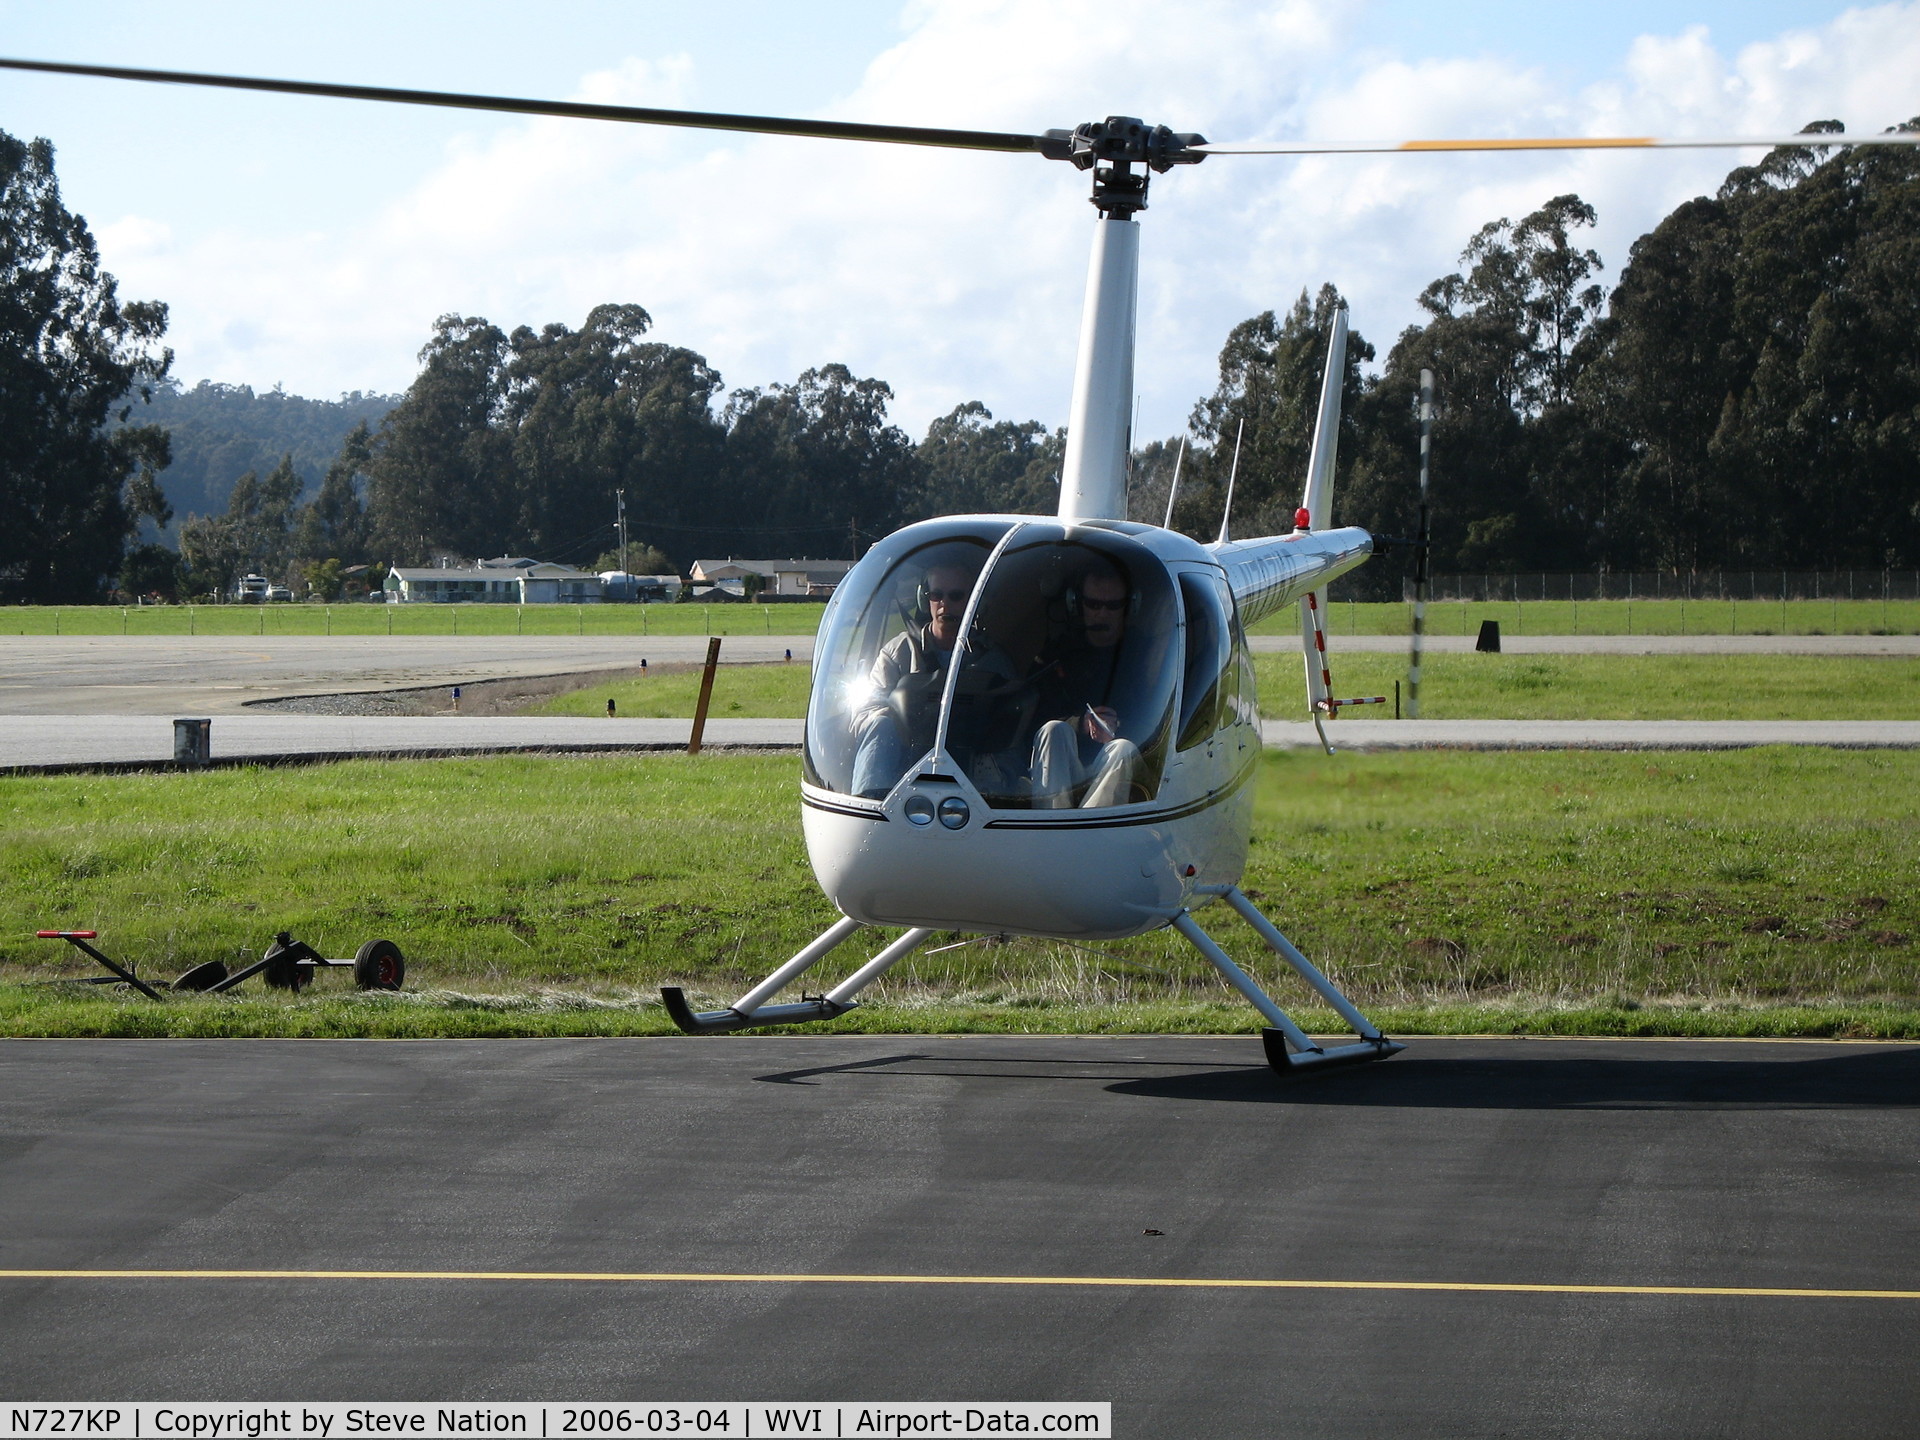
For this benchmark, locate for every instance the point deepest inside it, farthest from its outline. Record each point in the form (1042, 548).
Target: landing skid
(751, 1010)
(1290, 1050)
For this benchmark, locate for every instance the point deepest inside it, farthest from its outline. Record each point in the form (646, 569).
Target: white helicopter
(1036, 725)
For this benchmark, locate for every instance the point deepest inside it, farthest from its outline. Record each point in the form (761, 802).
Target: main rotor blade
(567, 109)
(1586, 142)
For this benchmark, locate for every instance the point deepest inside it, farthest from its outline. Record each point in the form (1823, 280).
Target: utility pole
(620, 519)
(1422, 577)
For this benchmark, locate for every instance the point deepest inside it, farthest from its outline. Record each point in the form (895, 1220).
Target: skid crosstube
(751, 1010)
(1289, 1049)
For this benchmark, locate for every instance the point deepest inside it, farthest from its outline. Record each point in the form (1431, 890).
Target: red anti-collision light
(66, 934)
(1301, 519)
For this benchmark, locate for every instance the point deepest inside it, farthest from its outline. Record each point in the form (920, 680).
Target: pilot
(907, 679)
(1080, 742)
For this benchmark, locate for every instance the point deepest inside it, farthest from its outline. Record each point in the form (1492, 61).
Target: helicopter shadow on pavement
(1870, 1079)
(1874, 1079)
(919, 1066)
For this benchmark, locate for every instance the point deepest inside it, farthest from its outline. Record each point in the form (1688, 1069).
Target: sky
(312, 243)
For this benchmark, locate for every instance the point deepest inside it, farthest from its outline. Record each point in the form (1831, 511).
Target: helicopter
(1048, 725)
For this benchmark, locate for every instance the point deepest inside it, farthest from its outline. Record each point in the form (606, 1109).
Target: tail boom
(1268, 574)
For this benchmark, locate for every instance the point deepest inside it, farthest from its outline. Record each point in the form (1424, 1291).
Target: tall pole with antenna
(1420, 548)
(620, 519)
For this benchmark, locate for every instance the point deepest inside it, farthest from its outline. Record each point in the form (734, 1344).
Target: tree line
(1746, 396)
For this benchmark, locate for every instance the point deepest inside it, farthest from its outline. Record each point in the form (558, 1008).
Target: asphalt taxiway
(1489, 1237)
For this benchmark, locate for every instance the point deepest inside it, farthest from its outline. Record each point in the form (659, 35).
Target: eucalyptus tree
(73, 358)
(1267, 398)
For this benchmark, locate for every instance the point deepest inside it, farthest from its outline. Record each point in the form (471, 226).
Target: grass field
(435, 620)
(1618, 617)
(1761, 891)
(1615, 687)
(1454, 687)
(739, 692)
(1552, 617)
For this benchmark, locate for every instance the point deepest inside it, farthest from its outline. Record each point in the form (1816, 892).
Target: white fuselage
(1077, 874)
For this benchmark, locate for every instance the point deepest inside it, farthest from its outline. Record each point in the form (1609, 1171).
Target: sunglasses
(1089, 603)
(950, 597)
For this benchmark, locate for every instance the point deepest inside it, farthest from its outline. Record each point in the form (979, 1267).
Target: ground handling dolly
(289, 964)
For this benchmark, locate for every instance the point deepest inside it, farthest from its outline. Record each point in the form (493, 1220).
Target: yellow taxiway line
(665, 1277)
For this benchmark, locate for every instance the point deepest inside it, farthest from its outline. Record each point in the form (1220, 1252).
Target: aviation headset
(1072, 596)
(922, 604)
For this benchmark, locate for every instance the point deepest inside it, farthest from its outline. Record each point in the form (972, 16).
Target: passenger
(908, 677)
(1080, 740)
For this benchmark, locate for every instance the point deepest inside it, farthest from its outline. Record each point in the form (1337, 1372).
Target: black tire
(379, 966)
(286, 973)
(202, 977)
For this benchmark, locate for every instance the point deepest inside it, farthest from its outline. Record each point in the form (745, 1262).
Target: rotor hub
(1122, 151)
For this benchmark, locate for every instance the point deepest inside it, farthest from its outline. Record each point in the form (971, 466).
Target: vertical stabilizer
(1326, 430)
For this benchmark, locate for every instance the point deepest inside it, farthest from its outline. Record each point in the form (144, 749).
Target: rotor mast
(1122, 152)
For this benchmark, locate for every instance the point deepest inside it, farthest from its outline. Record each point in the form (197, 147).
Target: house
(559, 584)
(780, 579)
(509, 580)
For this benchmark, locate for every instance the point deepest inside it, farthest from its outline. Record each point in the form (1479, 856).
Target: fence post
(706, 696)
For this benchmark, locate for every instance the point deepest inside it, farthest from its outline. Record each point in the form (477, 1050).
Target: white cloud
(956, 276)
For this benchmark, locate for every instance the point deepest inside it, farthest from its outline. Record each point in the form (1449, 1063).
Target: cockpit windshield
(886, 645)
(1063, 695)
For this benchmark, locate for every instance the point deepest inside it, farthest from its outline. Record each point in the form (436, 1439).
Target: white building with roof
(510, 580)
(781, 579)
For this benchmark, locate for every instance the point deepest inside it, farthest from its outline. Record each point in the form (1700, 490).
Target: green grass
(1765, 891)
(1454, 687)
(739, 692)
(1444, 617)
(1617, 617)
(799, 618)
(1613, 687)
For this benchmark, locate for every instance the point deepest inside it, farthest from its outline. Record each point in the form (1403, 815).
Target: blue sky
(312, 243)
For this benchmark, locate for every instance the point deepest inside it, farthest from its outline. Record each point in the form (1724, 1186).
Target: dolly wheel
(284, 972)
(379, 966)
(202, 977)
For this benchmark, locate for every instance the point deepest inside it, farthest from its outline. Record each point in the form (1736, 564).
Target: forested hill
(220, 432)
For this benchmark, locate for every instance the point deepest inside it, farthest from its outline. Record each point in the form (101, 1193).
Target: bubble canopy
(1039, 657)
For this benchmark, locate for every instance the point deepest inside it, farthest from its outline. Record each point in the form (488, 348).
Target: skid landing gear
(751, 1010)
(1290, 1050)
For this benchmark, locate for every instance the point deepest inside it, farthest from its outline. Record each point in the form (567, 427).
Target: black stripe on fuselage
(1070, 819)
(859, 812)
